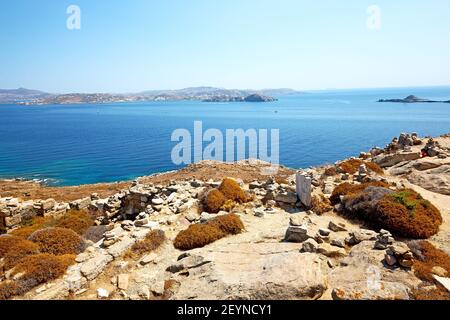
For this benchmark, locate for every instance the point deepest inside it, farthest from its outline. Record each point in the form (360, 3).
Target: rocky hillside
(375, 227)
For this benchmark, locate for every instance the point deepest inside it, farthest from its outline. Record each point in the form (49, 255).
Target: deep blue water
(81, 144)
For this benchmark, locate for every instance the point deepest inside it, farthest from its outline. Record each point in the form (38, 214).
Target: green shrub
(408, 215)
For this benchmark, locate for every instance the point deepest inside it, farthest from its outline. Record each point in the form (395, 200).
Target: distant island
(24, 96)
(251, 98)
(412, 99)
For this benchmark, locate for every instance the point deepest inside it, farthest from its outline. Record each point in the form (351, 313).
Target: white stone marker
(303, 188)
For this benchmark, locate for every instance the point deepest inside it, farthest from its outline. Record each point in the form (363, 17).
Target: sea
(65, 145)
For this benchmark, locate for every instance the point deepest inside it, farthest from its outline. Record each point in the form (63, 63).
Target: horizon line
(224, 88)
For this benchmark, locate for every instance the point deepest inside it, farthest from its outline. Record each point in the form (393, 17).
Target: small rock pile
(433, 149)
(400, 254)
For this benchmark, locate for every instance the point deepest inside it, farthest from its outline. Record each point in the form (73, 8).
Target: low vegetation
(34, 270)
(17, 251)
(403, 212)
(42, 249)
(428, 257)
(407, 214)
(2, 223)
(33, 225)
(214, 201)
(199, 235)
(320, 204)
(151, 242)
(351, 166)
(233, 191)
(348, 189)
(76, 220)
(225, 197)
(58, 241)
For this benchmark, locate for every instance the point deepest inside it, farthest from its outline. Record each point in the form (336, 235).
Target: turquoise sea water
(80, 144)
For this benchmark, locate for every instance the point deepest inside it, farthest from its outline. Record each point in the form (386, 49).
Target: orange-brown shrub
(2, 223)
(431, 257)
(18, 251)
(346, 189)
(43, 267)
(320, 204)
(229, 224)
(76, 220)
(151, 242)
(214, 201)
(6, 241)
(407, 214)
(430, 294)
(36, 223)
(233, 191)
(351, 166)
(330, 171)
(58, 241)
(372, 166)
(9, 289)
(199, 235)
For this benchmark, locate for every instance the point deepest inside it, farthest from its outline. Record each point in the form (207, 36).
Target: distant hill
(21, 94)
(35, 97)
(204, 92)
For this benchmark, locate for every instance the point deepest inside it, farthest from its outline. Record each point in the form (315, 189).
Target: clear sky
(135, 45)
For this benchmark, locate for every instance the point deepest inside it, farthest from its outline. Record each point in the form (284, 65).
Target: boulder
(274, 271)
(389, 160)
(297, 234)
(94, 266)
(381, 290)
(336, 227)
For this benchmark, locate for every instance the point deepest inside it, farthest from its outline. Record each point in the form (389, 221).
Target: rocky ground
(286, 251)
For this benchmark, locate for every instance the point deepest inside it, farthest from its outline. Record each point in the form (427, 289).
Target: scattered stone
(384, 238)
(361, 235)
(148, 258)
(297, 234)
(122, 281)
(390, 260)
(102, 293)
(141, 223)
(338, 243)
(295, 220)
(310, 245)
(157, 201)
(337, 227)
(443, 281)
(94, 266)
(324, 232)
(331, 251)
(439, 271)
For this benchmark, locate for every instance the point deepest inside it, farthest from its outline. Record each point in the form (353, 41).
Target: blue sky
(135, 45)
